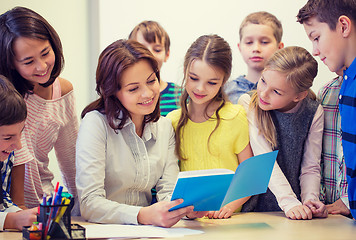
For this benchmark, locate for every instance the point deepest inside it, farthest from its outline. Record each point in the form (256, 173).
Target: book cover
(209, 190)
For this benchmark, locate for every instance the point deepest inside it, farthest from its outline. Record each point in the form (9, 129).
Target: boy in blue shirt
(330, 25)
(12, 121)
(260, 37)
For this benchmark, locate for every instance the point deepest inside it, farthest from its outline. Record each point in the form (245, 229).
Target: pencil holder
(56, 224)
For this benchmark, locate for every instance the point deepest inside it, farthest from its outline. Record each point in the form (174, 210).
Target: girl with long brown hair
(210, 131)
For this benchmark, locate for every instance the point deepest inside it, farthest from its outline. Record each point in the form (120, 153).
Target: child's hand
(225, 212)
(157, 214)
(299, 212)
(338, 207)
(16, 220)
(318, 208)
(196, 214)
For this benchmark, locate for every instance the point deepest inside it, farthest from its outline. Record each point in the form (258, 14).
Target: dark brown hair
(215, 51)
(152, 32)
(13, 107)
(24, 22)
(327, 11)
(113, 61)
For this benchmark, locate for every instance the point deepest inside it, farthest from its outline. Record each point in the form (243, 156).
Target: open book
(209, 190)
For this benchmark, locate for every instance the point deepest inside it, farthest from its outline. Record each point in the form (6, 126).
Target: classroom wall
(86, 27)
(186, 20)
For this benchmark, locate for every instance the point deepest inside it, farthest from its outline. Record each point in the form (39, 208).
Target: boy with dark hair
(330, 25)
(12, 120)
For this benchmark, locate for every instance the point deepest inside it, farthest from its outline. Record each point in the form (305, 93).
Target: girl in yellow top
(210, 132)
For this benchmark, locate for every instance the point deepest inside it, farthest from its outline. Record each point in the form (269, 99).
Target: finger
(174, 203)
(297, 214)
(222, 213)
(216, 214)
(211, 214)
(308, 212)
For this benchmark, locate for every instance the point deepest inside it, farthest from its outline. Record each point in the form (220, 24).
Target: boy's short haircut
(152, 32)
(264, 18)
(12, 105)
(327, 11)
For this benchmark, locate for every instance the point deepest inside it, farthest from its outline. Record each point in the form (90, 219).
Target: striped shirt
(49, 124)
(170, 98)
(6, 205)
(347, 107)
(333, 180)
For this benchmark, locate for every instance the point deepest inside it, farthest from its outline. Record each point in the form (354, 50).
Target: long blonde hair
(300, 69)
(215, 51)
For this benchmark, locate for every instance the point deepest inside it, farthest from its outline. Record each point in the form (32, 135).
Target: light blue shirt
(235, 88)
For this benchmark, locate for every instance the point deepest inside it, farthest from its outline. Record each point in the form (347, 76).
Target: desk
(266, 226)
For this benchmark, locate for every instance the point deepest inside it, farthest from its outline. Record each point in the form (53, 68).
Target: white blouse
(116, 171)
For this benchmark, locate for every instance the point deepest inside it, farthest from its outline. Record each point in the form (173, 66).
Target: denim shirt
(235, 88)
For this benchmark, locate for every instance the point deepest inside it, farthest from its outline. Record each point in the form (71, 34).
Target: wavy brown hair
(24, 22)
(216, 52)
(300, 69)
(113, 61)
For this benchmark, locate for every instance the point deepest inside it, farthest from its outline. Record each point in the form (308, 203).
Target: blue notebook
(209, 190)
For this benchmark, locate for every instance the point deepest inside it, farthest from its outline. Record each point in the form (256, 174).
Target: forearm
(17, 185)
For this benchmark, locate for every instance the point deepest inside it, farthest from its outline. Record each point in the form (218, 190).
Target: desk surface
(266, 226)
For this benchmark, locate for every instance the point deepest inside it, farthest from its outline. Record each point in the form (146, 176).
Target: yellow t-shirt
(228, 140)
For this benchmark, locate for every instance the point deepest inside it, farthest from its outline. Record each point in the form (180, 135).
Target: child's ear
(238, 46)
(167, 55)
(280, 45)
(300, 96)
(345, 23)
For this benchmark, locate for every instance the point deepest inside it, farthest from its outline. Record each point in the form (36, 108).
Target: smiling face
(139, 91)
(203, 82)
(329, 45)
(274, 92)
(34, 59)
(257, 45)
(10, 139)
(157, 49)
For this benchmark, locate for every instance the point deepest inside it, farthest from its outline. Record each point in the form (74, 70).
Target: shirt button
(340, 96)
(345, 77)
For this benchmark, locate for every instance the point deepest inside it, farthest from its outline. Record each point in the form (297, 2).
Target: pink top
(49, 124)
(310, 169)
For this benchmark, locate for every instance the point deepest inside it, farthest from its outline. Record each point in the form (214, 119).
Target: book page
(207, 172)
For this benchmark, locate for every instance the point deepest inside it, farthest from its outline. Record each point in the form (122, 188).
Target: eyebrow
(134, 83)
(28, 58)
(309, 35)
(262, 77)
(11, 135)
(214, 79)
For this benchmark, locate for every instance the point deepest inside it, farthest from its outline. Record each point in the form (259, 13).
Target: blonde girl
(210, 132)
(283, 114)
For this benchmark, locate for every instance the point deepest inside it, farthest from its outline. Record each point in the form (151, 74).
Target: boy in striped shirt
(155, 38)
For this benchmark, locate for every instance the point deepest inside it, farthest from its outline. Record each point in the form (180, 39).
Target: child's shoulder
(175, 114)
(231, 111)
(66, 86)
